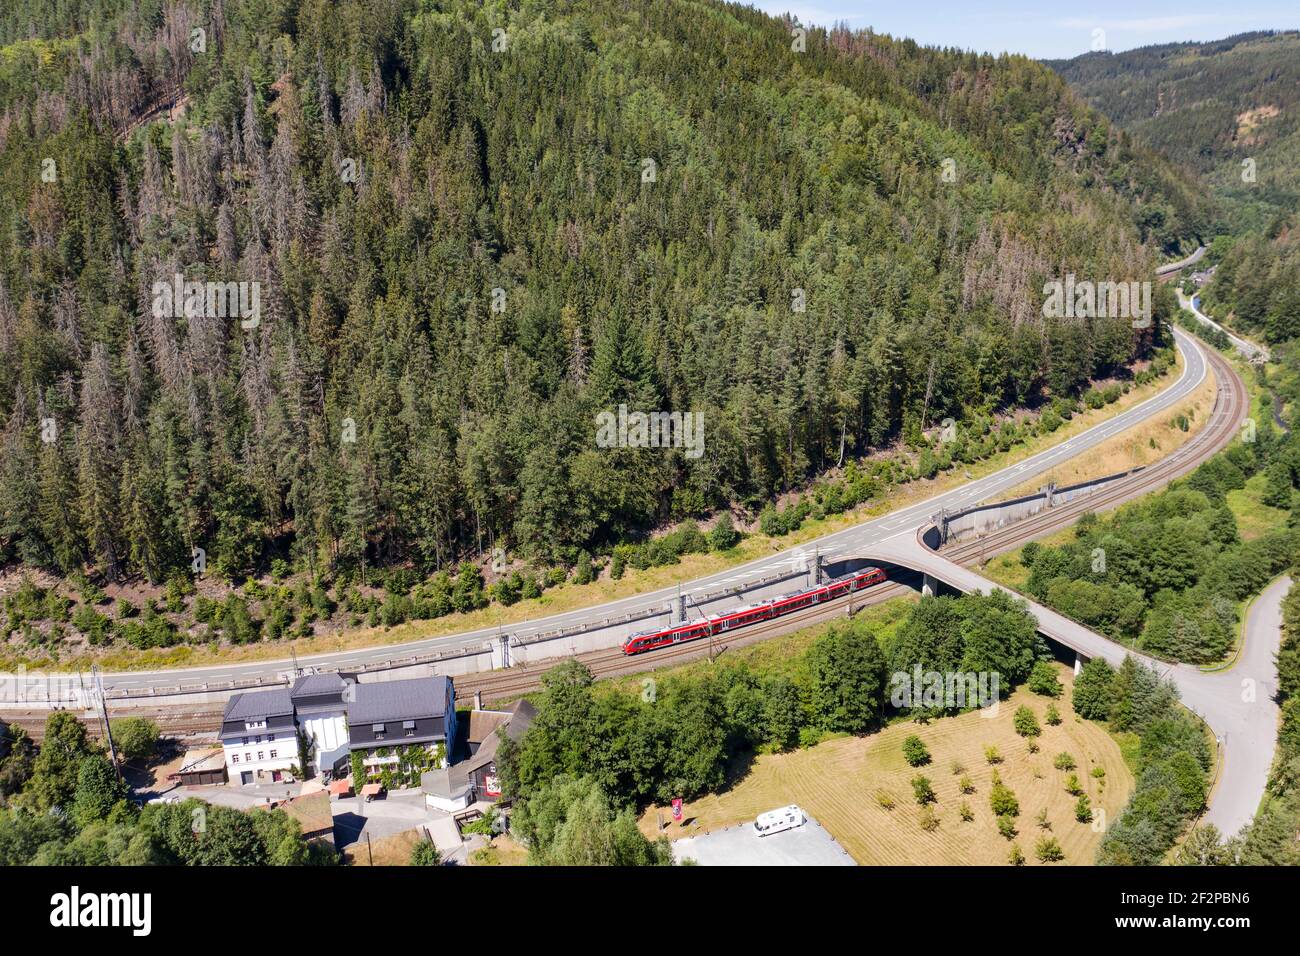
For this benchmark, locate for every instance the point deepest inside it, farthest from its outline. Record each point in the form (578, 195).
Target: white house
(386, 722)
(259, 737)
(320, 705)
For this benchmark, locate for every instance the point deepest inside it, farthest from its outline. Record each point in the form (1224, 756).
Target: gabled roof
(313, 812)
(258, 705)
(482, 723)
(514, 723)
(317, 685)
(389, 700)
(522, 714)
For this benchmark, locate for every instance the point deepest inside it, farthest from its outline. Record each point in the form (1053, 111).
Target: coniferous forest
(474, 227)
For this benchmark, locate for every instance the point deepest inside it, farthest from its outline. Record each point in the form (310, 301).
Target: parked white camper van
(774, 821)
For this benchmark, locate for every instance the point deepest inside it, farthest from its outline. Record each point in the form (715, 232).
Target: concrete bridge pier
(928, 586)
(501, 651)
(677, 610)
(1079, 661)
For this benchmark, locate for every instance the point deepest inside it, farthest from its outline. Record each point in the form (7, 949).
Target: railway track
(1230, 405)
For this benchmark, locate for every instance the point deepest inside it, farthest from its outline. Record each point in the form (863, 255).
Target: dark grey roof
(389, 700)
(314, 685)
(259, 705)
(521, 718)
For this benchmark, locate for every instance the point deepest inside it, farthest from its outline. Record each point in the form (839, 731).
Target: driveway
(354, 819)
(808, 845)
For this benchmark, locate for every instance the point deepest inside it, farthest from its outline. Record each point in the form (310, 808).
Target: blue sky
(1046, 29)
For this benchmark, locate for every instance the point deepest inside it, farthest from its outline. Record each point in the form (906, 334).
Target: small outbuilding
(205, 770)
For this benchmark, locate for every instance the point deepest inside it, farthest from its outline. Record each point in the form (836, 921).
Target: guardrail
(1028, 505)
(415, 660)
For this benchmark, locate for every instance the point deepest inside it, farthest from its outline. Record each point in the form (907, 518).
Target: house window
(410, 731)
(245, 741)
(409, 727)
(273, 754)
(248, 757)
(234, 758)
(260, 755)
(377, 730)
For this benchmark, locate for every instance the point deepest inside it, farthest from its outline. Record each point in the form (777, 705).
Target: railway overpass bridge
(1237, 704)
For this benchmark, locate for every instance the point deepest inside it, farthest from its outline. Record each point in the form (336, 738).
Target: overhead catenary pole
(105, 727)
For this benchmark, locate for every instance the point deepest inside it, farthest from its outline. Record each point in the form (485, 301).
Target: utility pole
(104, 726)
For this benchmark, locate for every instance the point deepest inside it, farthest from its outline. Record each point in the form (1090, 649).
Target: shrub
(992, 755)
(1052, 716)
(965, 812)
(915, 752)
(966, 785)
(425, 853)
(1072, 785)
(1083, 809)
(723, 536)
(1043, 680)
(929, 822)
(1048, 850)
(1017, 856)
(1026, 723)
(885, 800)
(922, 790)
(1064, 761)
(1003, 801)
(1007, 826)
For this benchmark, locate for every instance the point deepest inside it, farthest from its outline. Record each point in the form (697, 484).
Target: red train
(751, 614)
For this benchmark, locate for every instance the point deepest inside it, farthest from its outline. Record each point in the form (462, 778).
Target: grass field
(1254, 518)
(838, 783)
(502, 851)
(392, 850)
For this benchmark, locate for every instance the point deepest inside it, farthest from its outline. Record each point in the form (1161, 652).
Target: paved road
(1249, 736)
(1236, 703)
(902, 522)
(1172, 267)
(1247, 348)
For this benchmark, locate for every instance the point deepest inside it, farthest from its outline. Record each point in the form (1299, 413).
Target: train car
(740, 617)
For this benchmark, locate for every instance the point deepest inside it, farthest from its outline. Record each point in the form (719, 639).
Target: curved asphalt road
(903, 522)
(1236, 703)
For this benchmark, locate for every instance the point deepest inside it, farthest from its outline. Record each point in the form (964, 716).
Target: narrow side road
(1253, 679)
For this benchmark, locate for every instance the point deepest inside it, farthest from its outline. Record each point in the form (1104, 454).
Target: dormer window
(377, 730)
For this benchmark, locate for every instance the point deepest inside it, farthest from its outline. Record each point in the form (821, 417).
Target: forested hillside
(1209, 106)
(678, 211)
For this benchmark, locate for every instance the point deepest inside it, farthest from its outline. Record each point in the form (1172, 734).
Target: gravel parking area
(808, 845)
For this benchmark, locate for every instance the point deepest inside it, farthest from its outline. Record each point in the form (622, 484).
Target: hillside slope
(1209, 106)
(465, 253)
